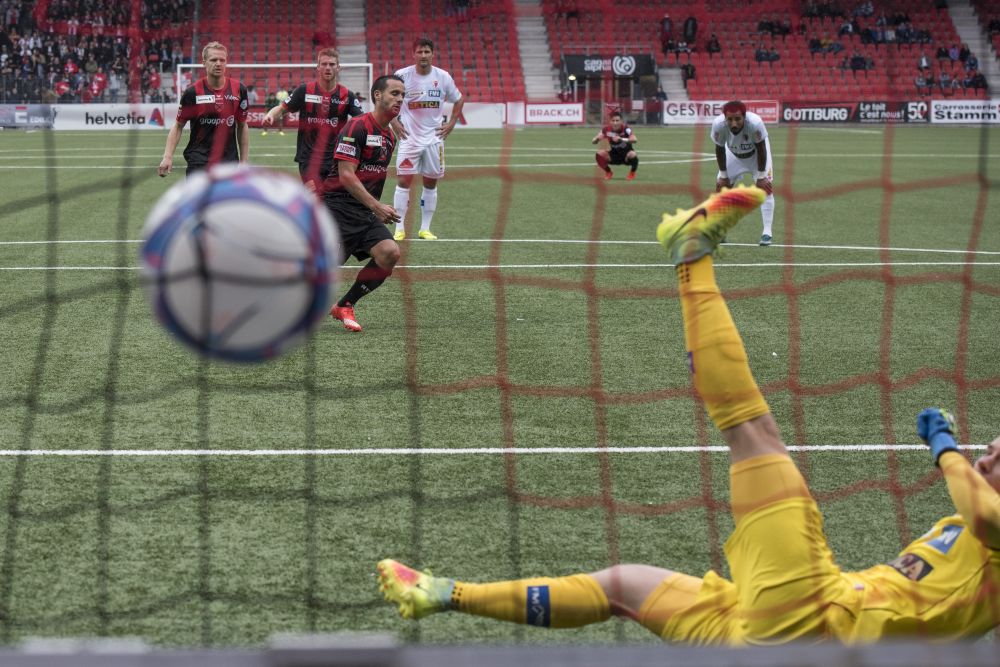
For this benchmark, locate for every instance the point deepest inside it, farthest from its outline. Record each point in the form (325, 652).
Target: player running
(742, 147)
(217, 108)
(422, 132)
(352, 191)
(621, 140)
(785, 584)
(323, 106)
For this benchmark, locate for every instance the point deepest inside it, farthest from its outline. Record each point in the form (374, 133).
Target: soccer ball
(239, 262)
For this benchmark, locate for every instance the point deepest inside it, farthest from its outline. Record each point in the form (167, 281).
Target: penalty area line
(448, 451)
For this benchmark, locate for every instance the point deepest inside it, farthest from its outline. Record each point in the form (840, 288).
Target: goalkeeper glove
(936, 427)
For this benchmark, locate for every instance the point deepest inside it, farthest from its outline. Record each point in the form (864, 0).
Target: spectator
(761, 54)
(846, 28)
(857, 61)
(690, 29)
(687, 73)
(666, 34)
(972, 62)
(953, 53)
(923, 87)
(252, 97)
(964, 53)
(924, 63)
(713, 45)
(945, 82)
(864, 9)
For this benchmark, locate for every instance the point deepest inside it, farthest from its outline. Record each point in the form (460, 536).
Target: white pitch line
(659, 265)
(450, 451)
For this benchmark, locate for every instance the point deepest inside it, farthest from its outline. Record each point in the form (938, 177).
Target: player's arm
(243, 140)
(720, 158)
(347, 170)
(293, 102)
(597, 137)
(173, 138)
(760, 178)
(274, 113)
(632, 139)
(974, 498)
(456, 113)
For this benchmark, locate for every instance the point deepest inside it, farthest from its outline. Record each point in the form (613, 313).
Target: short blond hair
(329, 52)
(212, 46)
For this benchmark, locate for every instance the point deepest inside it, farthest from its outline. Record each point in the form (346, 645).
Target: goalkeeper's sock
(602, 161)
(400, 202)
(369, 278)
(551, 602)
(717, 359)
(428, 204)
(767, 212)
(635, 163)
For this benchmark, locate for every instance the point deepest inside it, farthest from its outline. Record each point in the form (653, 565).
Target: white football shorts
(424, 160)
(736, 167)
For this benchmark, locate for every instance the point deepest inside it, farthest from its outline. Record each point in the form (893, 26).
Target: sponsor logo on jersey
(346, 149)
(315, 99)
(434, 93)
(228, 120)
(429, 104)
(349, 140)
(204, 99)
(538, 606)
(946, 540)
(911, 566)
(243, 104)
(373, 140)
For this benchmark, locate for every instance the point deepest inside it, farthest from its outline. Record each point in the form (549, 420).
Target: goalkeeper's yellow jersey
(945, 584)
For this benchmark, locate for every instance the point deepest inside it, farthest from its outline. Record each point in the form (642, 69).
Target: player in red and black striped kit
(217, 108)
(353, 189)
(621, 142)
(323, 106)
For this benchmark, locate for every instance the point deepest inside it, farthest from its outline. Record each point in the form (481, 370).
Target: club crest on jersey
(946, 540)
(373, 140)
(911, 566)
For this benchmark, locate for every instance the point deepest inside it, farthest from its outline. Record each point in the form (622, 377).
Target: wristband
(723, 173)
(941, 442)
(759, 175)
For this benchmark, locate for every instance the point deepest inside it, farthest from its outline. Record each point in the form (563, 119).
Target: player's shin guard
(767, 212)
(763, 480)
(369, 278)
(634, 162)
(551, 602)
(717, 359)
(602, 161)
(400, 202)
(428, 204)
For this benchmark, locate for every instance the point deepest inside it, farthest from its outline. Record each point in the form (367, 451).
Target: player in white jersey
(422, 131)
(742, 147)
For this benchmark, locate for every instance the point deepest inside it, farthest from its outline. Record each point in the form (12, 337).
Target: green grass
(227, 551)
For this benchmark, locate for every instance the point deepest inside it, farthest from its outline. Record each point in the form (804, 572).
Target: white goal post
(268, 78)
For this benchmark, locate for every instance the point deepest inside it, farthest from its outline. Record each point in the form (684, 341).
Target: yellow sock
(551, 602)
(717, 360)
(762, 481)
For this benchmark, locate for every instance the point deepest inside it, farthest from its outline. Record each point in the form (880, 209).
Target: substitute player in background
(217, 108)
(621, 142)
(422, 131)
(323, 106)
(352, 192)
(742, 147)
(785, 584)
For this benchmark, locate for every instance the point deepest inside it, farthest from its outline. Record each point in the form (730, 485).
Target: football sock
(551, 602)
(370, 277)
(634, 162)
(767, 212)
(428, 204)
(763, 480)
(400, 202)
(602, 161)
(716, 357)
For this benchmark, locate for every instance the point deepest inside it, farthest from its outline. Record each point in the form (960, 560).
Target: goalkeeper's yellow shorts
(787, 586)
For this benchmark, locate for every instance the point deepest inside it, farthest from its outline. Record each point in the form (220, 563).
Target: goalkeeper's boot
(692, 234)
(346, 316)
(399, 236)
(426, 235)
(418, 594)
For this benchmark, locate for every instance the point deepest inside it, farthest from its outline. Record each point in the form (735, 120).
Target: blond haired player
(422, 131)
(742, 147)
(785, 584)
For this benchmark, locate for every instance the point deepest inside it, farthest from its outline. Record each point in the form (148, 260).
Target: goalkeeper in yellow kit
(785, 583)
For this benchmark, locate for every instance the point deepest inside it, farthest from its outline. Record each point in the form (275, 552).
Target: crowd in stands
(78, 51)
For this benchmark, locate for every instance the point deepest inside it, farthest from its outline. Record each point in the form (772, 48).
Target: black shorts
(359, 232)
(617, 155)
(304, 167)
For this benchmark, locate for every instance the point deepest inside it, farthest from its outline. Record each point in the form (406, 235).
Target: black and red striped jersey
(367, 144)
(322, 115)
(214, 115)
